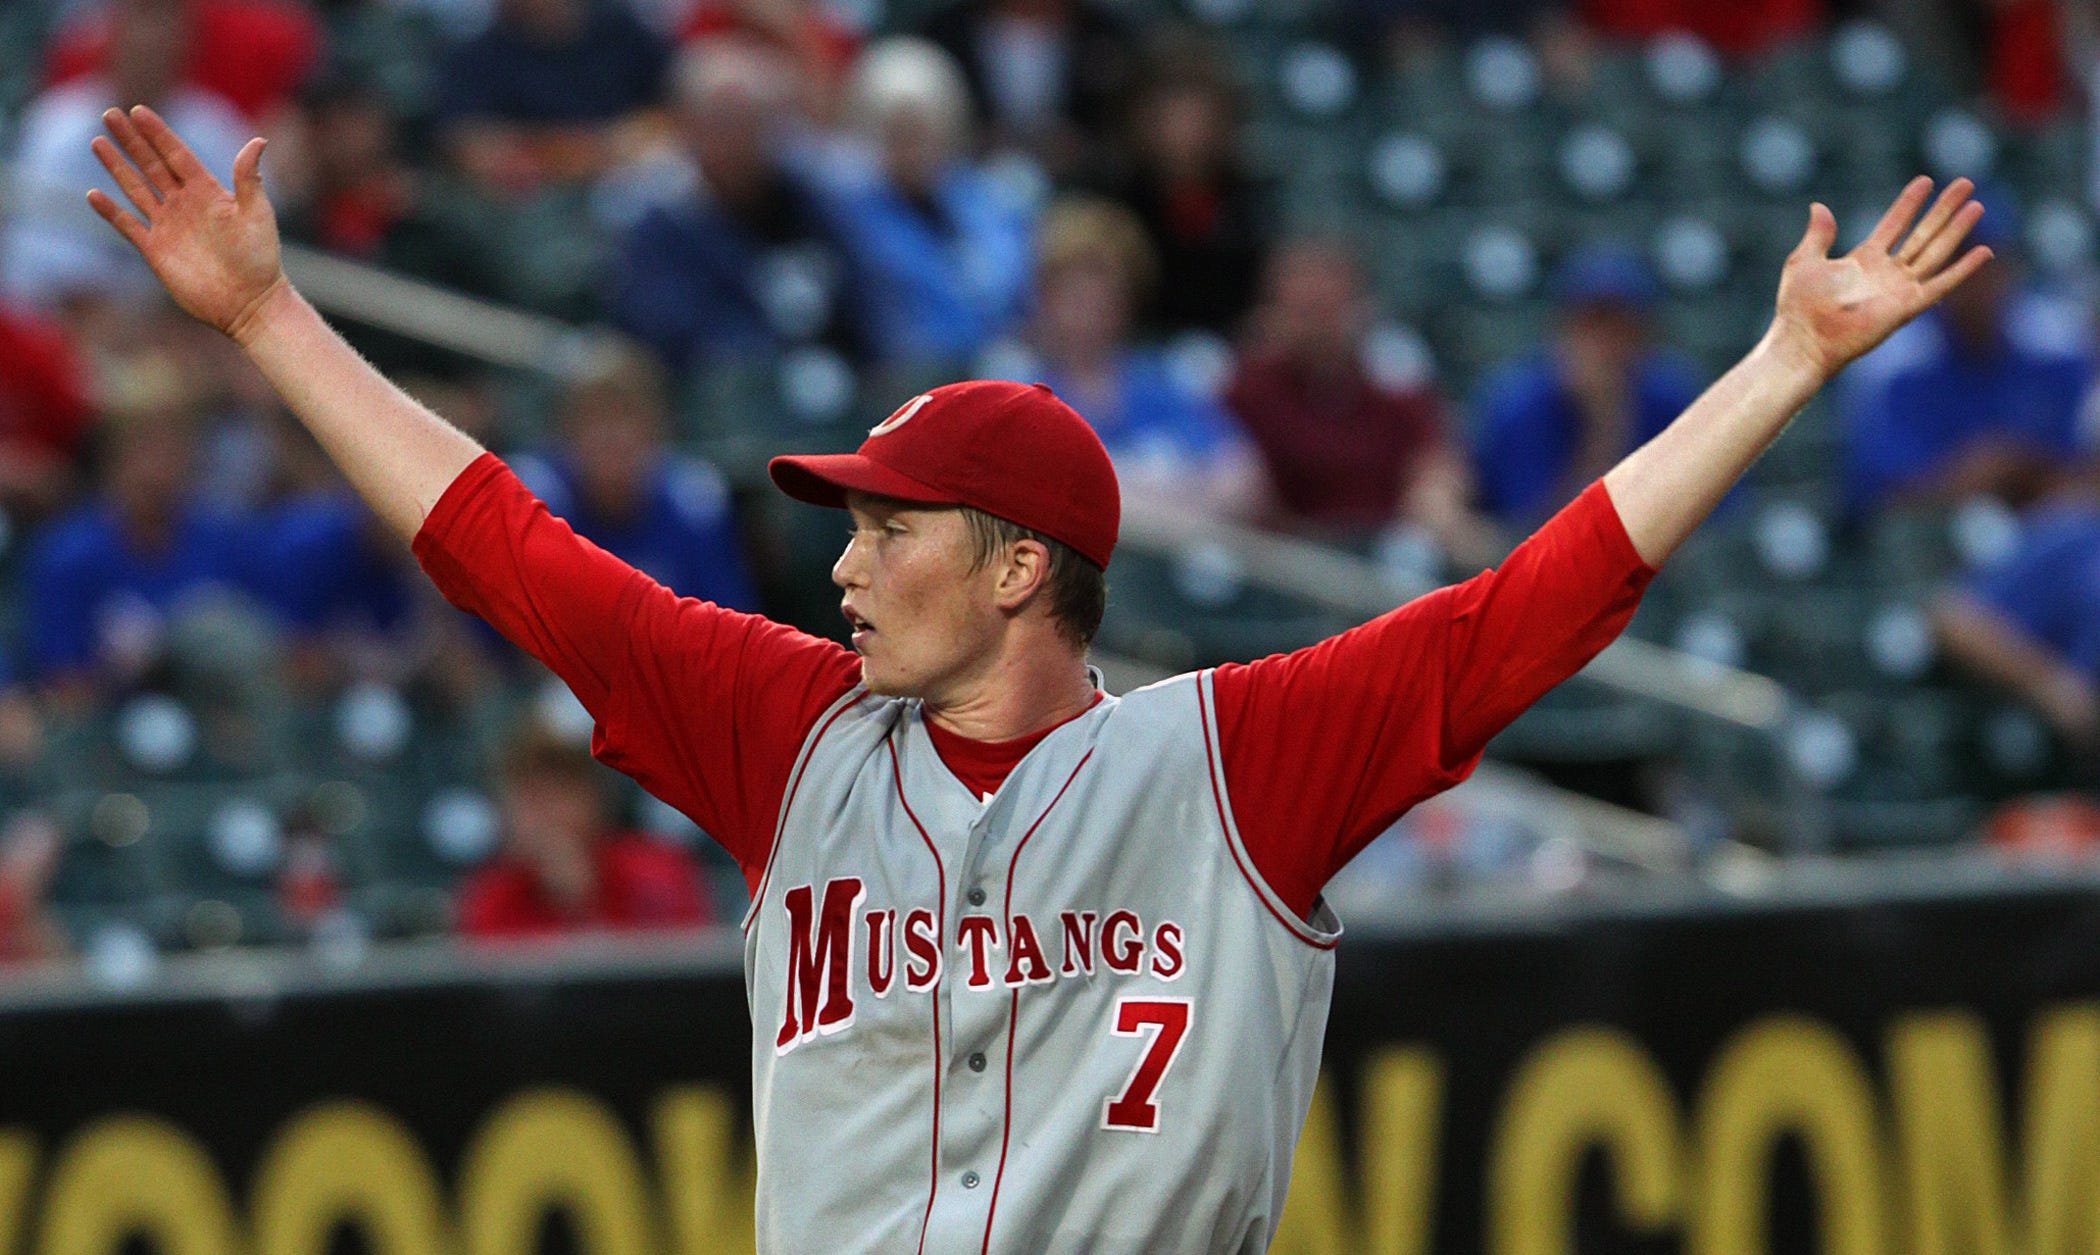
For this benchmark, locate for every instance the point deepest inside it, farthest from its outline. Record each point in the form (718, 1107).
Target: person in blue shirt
(104, 580)
(534, 97)
(1983, 395)
(1166, 438)
(747, 264)
(342, 589)
(1549, 423)
(611, 477)
(940, 250)
(2031, 623)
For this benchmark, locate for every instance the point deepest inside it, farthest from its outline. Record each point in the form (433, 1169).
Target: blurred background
(1357, 293)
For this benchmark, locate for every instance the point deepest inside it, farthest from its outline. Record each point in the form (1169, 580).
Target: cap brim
(825, 479)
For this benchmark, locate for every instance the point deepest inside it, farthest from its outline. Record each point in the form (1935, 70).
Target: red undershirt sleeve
(1325, 747)
(705, 707)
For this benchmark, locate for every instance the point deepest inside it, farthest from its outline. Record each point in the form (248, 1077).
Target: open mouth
(862, 629)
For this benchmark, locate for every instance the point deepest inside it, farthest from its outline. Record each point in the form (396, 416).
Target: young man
(1031, 968)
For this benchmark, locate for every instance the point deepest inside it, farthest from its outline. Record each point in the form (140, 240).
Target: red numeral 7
(1167, 1022)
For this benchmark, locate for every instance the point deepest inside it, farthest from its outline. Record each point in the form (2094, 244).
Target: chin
(878, 681)
(885, 682)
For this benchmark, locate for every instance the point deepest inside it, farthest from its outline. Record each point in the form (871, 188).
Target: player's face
(923, 621)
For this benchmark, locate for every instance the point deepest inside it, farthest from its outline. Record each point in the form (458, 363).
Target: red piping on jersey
(758, 895)
(933, 1176)
(1013, 1009)
(1297, 927)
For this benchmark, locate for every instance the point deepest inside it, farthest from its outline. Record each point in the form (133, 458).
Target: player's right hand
(215, 251)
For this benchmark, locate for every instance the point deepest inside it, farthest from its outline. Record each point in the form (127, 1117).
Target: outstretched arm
(1830, 310)
(704, 706)
(216, 253)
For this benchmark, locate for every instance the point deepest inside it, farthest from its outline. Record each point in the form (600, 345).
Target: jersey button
(977, 1062)
(977, 896)
(969, 1180)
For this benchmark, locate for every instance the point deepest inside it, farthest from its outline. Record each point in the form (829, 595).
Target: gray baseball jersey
(1065, 1019)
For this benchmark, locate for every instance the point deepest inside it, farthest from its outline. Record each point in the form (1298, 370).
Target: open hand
(215, 251)
(1832, 309)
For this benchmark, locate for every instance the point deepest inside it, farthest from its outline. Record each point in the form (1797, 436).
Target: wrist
(267, 309)
(1793, 355)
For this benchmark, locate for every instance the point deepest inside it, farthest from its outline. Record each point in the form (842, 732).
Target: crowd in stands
(1053, 190)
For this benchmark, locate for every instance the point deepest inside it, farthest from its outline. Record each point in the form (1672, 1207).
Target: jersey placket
(973, 1086)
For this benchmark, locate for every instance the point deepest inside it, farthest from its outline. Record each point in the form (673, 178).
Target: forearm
(396, 453)
(1997, 651)
(1666, 487)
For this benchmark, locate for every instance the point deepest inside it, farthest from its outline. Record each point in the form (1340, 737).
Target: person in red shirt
(31, 847)
(255, 53)
(1346, 453)
(43, 413)
(564, 867)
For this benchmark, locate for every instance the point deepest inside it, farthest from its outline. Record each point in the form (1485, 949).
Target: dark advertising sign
(1880, 1077)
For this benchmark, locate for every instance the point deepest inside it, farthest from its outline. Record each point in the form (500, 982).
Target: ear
(1023, 573)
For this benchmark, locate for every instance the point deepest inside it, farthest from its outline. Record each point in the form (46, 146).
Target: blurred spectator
(940, 252)
(1737, 27)
(353, 194)
(30, 848)
(552, 91)
(342, 586)
(104, 579)
(612, 478)
(1093, 268)
(747, 264)
(43, 413)
(56, 250)
(564, 866)
(2025, 55)
(1978, 396)
(2031, 623)
(1046, 75)
(814, 43)
(1413, 34)
(251, 53)
(1206, 216)
(1551, 422)
(1346, 454)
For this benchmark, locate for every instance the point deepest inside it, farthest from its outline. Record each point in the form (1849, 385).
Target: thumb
(247, 172)
(1821, 234)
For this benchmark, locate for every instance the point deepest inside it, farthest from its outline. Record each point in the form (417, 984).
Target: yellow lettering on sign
(347, 1161)
(17, 1171)
(1950, 1127)
(1401, 1108)
(1781, 1076)
(136, 1175)
(553, 1148)
(707, 1173)
(1583, 1088)
(1315, 1218)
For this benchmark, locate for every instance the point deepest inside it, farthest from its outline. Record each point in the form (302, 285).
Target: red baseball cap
(1009, 449)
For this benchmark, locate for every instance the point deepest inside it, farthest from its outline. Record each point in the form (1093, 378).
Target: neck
(1024, 693)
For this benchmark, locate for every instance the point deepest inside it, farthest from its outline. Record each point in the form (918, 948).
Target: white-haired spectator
(941, 250)
(745, 262)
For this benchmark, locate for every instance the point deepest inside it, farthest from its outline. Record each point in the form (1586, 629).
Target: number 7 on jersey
(1166, 1022)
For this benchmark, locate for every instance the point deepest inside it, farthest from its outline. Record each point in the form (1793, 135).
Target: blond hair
(1082, 230)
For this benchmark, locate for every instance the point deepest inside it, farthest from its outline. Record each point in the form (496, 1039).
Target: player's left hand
(1832, 309)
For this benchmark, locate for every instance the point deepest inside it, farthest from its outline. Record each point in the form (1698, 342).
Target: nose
(850, 570)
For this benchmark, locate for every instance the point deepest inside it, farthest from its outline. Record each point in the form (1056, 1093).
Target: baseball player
(1031, 968)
